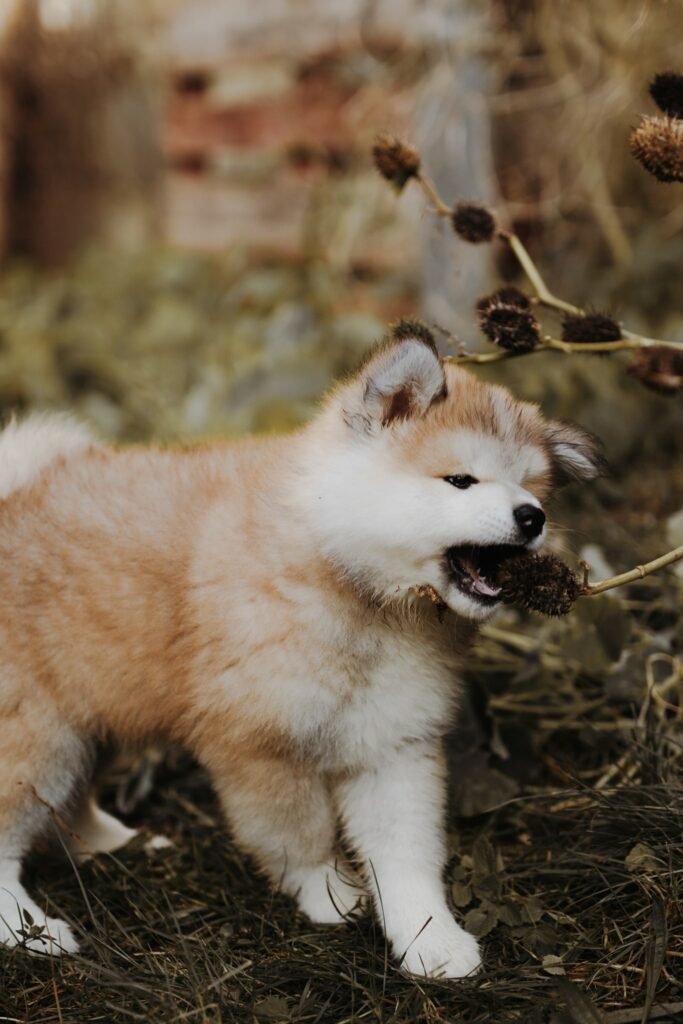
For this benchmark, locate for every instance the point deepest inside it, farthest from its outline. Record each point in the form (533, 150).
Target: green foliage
(173, 345)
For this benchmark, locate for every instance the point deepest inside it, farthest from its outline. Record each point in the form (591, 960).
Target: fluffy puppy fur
(254, 602)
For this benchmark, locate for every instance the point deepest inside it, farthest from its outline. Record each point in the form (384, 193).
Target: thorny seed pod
(473, 222)
(540, 583)
(510, 327)
(659, 368)
(586, 328)
(657, 143)
(507, 296)
(395, 160)
(405, 328)
(666, 89)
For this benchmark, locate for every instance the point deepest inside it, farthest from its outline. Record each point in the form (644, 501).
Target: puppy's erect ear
(575, 454)
(398, 383)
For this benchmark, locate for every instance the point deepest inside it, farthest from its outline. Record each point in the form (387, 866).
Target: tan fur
(473, 405)
(130, 578)
(184, 595)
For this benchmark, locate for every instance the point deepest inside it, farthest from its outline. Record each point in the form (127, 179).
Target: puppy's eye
(462, 482)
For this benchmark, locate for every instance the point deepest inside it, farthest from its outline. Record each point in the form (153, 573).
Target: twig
(567, 347)
(55, 990)
(543, 293)
(544, 296)
(55, 815)
(664, 1011)
(638, 573)
(433, 196)
(230, 973)
(547, 298)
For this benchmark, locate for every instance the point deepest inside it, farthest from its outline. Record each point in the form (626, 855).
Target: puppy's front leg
(394, 816)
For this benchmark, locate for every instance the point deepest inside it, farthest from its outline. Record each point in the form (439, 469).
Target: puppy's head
(425, 475)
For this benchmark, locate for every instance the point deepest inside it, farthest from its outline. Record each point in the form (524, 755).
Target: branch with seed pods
(506, 317)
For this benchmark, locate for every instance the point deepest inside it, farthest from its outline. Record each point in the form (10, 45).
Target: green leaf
(541, 938)
(510, 913)
(641, 858)
(273, 1008)
(532, 910)
(483, 791)
(481, 920)
(552, 964)
(461, 893)
(487, 874)
(483, 857)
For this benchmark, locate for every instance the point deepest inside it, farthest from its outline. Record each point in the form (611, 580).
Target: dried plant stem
(544, 297)
(543, 293)
(439, 207)
(557, 345)
(640, 571)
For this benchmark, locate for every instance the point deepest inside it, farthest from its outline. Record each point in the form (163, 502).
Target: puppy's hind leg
(23, 922)
(40, 764)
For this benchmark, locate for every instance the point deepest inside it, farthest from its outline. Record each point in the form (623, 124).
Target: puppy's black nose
(530, 520)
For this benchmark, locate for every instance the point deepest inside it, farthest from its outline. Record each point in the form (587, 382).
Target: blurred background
(194, 240)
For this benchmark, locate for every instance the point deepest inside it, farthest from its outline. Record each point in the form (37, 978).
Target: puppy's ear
(399, 383)
(575, 454)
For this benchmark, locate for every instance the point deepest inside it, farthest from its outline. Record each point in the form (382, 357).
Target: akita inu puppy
(254, 601)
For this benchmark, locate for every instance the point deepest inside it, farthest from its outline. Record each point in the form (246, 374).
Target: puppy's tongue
(480, 585)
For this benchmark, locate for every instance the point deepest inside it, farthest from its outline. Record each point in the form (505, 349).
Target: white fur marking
(28, 447)
(394, 818)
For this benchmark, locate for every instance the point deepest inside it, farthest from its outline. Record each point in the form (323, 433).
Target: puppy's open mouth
(474, 570)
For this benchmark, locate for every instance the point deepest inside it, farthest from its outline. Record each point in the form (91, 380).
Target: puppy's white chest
(405, 691)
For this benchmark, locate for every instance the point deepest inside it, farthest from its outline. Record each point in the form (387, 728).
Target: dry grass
(567, 859)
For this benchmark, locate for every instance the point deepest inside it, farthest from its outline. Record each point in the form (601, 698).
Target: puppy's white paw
(23, 924)
(55, 937)
(442, 949)
(328, 893)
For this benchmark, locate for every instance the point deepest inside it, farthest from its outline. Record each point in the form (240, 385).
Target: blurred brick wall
(266, 127)
(269, 102)
(272, 111)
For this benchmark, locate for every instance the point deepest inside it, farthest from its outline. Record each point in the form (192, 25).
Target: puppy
(255, 602)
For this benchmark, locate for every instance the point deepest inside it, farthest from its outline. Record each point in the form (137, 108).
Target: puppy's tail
(30, 446)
